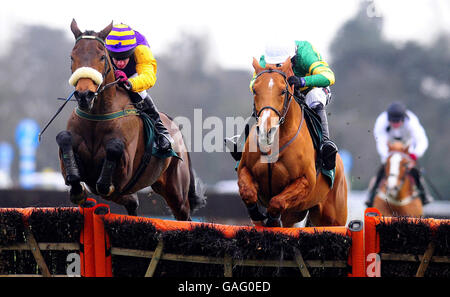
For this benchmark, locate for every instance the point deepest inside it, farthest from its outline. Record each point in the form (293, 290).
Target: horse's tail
(196, 193)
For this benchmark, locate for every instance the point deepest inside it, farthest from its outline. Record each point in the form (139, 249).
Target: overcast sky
(237, 29)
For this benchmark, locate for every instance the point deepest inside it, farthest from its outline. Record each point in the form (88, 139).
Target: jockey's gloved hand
(413, 156)
(120, 74)
(297, 82)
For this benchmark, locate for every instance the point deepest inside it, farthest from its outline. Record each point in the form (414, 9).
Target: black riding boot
(423, 193)
(328, 148)
(373, 189)
(163, 138)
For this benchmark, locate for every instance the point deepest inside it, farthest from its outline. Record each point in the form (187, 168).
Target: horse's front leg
(249, 193)
(70, 168)
(290, 197)
(114, 152)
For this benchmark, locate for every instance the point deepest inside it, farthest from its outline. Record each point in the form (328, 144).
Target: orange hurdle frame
(95, 247)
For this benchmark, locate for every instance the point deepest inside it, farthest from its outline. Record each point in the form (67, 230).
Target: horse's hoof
(78, 196)
(258, 223)
(255, 214)
(273, 222)
(105, 190)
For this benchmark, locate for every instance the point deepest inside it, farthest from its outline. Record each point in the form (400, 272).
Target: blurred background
(380, 51)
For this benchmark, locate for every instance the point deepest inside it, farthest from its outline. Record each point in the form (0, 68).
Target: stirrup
(168, 144)
(426, 198)
(168, 137)
(231, 142)
(233, 147)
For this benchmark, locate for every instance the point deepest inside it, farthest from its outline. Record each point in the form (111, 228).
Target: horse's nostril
(84, 95)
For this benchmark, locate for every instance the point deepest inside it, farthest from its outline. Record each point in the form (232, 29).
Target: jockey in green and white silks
(134, 63)
(400, 124)
(312, 78)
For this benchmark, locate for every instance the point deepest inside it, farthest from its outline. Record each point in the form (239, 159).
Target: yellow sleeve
(146, 69)
(322, 68)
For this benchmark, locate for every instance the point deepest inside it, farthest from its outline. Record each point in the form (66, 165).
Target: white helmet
(278, 52)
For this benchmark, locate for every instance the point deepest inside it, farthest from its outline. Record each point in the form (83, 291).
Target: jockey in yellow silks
(136, 67)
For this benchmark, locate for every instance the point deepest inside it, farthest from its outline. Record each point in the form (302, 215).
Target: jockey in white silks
(400, 124)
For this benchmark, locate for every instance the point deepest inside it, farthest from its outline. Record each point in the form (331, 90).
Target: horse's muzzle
(84, 98)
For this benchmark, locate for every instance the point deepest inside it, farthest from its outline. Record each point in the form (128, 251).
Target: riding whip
(56, 114)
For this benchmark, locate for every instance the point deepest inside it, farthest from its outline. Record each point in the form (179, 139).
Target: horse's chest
(92, 153)
(272, 177)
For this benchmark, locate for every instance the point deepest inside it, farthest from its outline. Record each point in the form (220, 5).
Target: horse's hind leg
(114, 152)
(70, 169)
(175, 188)
(130, 202)
(329, 213)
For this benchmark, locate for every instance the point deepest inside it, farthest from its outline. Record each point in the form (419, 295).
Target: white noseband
(86, 72)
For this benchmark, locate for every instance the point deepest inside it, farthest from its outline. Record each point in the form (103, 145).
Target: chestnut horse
(105, 151)
(397, 194)
(285, 180)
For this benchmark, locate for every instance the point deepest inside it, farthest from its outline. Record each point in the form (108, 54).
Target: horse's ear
(406, 149)
(75, 30)
(256, 65)
(102, 34)
(286, 65)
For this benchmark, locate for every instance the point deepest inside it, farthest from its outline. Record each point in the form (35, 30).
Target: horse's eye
(103, 58)
(283, 92)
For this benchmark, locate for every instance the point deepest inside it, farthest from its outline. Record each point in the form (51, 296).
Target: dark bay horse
(104, 143)
(288, 185)
(397, 194)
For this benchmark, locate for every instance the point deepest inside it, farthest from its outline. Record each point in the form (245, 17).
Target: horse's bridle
(287, 98)
(107, 68)
(282, 117)
(392, 198)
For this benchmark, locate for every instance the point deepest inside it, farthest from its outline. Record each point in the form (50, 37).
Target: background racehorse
(397, 194)
(105, 154)
(289, 185)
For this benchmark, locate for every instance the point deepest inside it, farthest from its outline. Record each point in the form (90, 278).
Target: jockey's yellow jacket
(145, 66)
